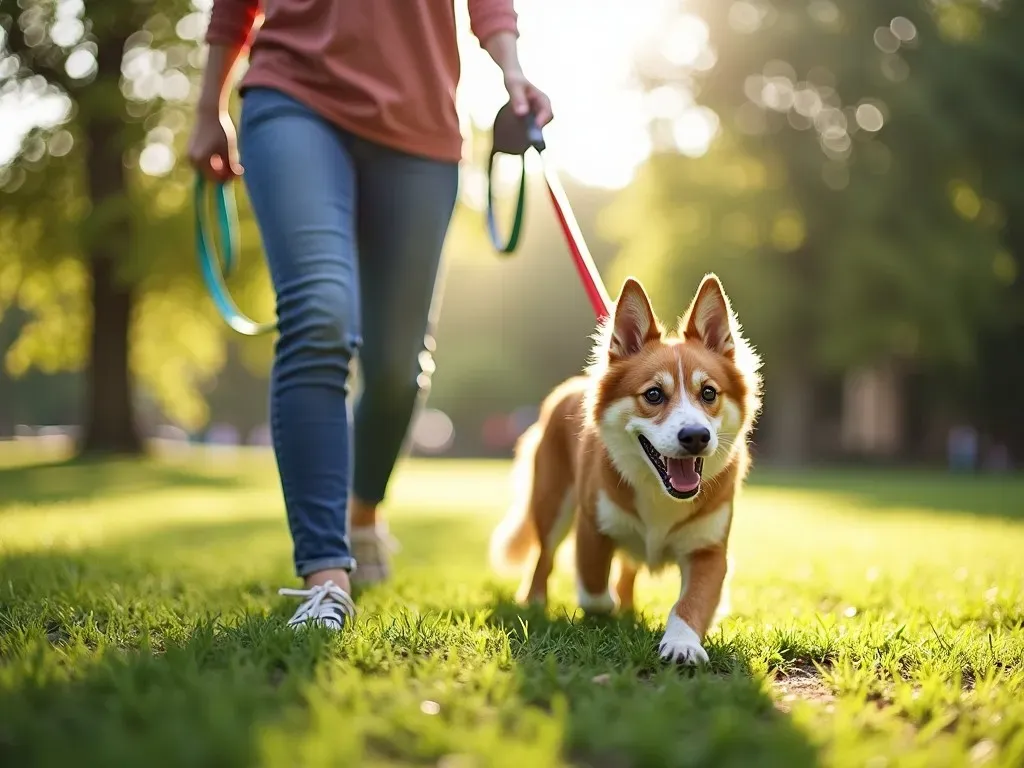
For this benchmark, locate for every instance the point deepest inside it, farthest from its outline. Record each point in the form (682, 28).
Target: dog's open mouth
(680, 476)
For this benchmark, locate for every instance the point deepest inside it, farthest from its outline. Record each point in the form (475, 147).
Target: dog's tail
(516, 535)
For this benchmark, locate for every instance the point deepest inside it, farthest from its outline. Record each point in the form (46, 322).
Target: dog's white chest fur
(648, 537)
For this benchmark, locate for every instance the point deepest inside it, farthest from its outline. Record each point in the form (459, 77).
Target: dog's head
(673, 407)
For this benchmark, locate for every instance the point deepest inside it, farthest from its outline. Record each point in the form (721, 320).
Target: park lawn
(876, 621)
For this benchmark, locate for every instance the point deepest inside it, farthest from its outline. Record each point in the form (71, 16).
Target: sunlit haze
(581, 52)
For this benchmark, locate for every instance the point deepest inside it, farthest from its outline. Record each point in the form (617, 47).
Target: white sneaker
(327, 605)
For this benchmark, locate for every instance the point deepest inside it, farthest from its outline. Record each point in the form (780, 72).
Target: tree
(95, 232)
(995, 105)
(843, 201)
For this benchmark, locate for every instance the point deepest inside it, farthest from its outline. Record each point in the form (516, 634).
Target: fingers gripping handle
(514, 135)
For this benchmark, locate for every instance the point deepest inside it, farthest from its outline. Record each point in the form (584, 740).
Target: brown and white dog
(646, 453)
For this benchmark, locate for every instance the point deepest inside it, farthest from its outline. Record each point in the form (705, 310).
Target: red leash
(589, 276)
(515, 136)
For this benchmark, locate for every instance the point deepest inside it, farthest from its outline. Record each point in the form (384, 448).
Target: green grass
(876, 621)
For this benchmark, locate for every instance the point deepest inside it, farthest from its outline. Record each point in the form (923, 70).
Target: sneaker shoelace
(322, 603)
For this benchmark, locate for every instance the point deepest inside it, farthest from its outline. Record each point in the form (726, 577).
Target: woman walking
(350, 145)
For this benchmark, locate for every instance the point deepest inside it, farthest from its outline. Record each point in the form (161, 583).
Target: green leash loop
(505, 247)
(214, 267)
(512, 135)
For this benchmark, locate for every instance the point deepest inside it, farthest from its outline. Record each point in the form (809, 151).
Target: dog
(645, 452)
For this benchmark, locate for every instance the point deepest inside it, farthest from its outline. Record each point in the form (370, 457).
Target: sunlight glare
(687, 38)
(667, 102)
(694, 130)
(67, 31)
(869, 117)
(581, 52)
(745, 17)
(156, 159)
(80, 64)
(21, 110)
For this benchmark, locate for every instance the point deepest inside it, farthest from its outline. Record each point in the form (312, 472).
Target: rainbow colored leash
(514, 135)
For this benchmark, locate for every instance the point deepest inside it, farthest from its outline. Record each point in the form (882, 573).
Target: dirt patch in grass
(801, 683)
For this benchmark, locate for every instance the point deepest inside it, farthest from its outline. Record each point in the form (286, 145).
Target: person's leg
(406, 204)
(301, 182)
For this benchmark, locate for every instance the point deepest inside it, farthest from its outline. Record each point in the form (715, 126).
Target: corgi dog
(644, 454)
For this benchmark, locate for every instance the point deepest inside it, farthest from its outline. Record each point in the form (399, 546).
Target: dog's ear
(709, 318)
(634, 323)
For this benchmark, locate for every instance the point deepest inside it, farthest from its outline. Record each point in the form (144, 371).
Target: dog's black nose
(694, 439)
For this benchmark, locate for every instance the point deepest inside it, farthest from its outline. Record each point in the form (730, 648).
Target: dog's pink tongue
(682, 473)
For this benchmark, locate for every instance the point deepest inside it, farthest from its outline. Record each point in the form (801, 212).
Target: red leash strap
(585, 267)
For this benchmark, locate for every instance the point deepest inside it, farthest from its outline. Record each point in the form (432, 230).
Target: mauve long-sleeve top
(385, 70)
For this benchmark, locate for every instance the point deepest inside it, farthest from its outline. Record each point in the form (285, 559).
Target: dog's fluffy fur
(645, 453)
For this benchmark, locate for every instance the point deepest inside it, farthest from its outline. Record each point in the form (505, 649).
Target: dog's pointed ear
(634, 323)
(709, 318)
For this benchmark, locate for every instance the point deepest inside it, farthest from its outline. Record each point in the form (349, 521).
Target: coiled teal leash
(216, 267)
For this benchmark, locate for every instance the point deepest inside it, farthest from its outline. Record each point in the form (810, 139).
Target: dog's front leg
(703, 575)
(594, 552)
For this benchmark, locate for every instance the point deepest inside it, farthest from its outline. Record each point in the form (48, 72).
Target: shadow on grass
(111, 655)
(618, 703)
(195, 700)
(624, 707)
(82, 480)
(96, 675)
(163, 561)
(884, 490)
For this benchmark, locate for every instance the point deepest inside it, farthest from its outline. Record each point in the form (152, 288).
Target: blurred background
(852, 171)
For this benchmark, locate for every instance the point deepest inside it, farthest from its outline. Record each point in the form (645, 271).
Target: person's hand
(526, 97)
(212, 147)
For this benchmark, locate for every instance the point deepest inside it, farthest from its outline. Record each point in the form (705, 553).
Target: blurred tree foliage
(95, 229)
(856, 198)
(861, 199)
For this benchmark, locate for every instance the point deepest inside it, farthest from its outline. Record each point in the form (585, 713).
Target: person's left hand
(526, 97)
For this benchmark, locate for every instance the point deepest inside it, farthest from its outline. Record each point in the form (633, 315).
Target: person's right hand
(212, 147)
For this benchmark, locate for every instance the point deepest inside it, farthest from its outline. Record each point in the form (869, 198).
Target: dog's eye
(654, 395)
(708, 394)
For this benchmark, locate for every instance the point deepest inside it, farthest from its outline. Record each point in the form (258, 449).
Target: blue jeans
(353, 234)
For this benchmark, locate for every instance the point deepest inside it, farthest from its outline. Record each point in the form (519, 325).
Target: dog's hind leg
(625, 581)
(553, 506)
(540, 517)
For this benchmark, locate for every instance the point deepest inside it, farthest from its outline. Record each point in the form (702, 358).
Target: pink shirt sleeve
(489, 16)
(231, 21)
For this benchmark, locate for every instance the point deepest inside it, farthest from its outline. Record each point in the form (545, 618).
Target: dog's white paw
(677, 652)
(680, 644)
(595, 605)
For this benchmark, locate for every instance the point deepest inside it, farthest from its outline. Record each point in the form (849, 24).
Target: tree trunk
(109, 406)
(789, 412)
(110, 423)
(873, 412)
(6, 416)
